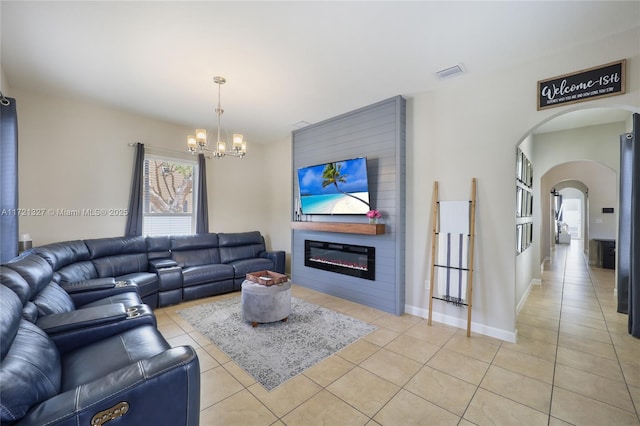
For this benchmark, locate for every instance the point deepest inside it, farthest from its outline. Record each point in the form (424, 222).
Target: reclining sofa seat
(203, 274)
(74, 271)
(31, 277)
(121, 258)
(218, 263)
(246, 252)
(138, 370)
(70, 261)
(125, 259)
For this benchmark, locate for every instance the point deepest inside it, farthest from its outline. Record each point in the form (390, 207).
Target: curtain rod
(156, 148)
(4, 101)
(184, 153)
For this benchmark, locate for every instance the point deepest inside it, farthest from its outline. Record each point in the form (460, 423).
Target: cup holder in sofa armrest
(91, 285)
(82, 318)
(134, 312)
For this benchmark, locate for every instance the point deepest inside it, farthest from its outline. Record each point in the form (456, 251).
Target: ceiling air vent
(300, 124)
(450, 72)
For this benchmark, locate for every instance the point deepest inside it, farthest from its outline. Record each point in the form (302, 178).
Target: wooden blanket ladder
(452, 250)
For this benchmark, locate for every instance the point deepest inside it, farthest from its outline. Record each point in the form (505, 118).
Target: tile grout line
(555, 359)
(557, 342)
(480, 383)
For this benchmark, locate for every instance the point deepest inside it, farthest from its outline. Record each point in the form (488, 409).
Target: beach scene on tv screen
(340, 187)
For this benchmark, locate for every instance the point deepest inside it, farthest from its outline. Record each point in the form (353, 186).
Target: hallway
(571, 319)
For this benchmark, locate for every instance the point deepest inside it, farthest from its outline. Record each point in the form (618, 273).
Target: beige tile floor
(574, 363)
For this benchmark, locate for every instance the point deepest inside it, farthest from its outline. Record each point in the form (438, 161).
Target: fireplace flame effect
(339, 262)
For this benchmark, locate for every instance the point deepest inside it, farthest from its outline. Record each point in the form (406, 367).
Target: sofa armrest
(89, 285)
(278, 259)
(87, 291)
(82, 318)
(170, 380)
(70, 330)
(157, 264)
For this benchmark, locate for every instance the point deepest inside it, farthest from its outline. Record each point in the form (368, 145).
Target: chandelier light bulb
(191, 143)
(237, 141)
(201, 137)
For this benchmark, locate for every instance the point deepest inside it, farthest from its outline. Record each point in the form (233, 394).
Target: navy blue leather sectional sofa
(78, 337)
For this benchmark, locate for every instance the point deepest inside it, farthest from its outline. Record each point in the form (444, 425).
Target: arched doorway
(575, 215)
(562, 149)
(597, 183)
(569, 202)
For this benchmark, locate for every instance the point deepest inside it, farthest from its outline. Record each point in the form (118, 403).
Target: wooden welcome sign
(597, 82)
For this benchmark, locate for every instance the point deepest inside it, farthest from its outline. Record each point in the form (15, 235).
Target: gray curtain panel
(8, 179)
(634, 255)
(202, 215)
(134, 215)
(623, 248)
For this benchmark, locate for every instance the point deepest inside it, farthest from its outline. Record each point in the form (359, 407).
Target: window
(168, 199)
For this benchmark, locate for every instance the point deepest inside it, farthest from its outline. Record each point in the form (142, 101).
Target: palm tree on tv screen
(331, 176)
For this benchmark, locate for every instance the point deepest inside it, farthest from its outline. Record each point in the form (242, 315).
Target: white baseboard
(507, 336)
(523, 300)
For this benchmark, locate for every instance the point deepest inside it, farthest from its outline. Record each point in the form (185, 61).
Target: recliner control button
(112, 413)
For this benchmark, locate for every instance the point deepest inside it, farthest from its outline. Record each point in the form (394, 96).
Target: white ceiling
(284, 61)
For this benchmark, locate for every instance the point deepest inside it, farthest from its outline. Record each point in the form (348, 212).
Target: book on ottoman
(267, 277)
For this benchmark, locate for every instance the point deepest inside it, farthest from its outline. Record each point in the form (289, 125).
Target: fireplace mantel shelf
(341, 227)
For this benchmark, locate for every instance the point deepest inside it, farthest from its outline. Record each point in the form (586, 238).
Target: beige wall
(277, 209)
(4, 84)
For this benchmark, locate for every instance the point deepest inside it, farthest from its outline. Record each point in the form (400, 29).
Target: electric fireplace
(347, 259)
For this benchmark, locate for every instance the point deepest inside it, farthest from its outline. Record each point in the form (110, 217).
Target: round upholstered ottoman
(262, 304)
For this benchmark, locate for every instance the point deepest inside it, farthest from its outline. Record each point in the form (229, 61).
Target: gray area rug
(275, 352)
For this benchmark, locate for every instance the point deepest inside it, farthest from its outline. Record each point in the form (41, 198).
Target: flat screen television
(339, 187)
